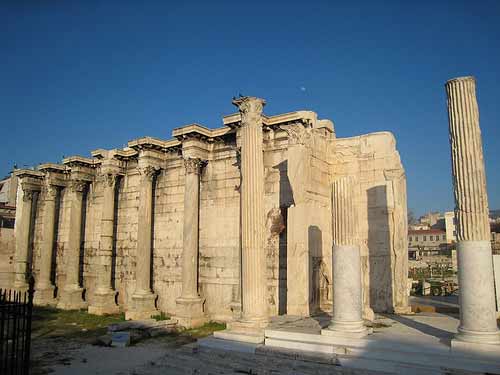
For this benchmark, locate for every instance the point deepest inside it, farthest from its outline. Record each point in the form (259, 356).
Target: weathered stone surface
(475, 267)
(278, 231)
(347, 300)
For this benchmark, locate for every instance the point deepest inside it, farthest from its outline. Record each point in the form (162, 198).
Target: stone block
(120, 339)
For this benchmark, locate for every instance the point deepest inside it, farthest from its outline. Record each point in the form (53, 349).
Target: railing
(16, 309)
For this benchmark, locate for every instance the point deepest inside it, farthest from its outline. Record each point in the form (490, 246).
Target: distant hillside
(494, 214)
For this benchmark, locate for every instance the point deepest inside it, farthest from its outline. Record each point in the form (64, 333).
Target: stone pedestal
(190, 305)
(71, 295)
(44, 289)
(143, 300)
(190, 312)
(475, 267)
(142, 306)
(103, 300)
(347, 318)
(253, 257)
(23, 229)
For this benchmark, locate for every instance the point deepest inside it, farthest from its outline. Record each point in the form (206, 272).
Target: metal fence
(16, 309)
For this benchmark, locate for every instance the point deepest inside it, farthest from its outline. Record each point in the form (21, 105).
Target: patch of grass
(52, 322)
(205, 330)
(160, 316)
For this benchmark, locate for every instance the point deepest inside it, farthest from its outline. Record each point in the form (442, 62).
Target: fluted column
(22, 234)
(190, 305)
(347, 296)
(254, 278)
(475, 264)
(44, 288)
(103, 301)
(71, 293)
(143, 300)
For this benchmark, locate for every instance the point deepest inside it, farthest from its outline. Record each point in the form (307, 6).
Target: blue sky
(81, 75)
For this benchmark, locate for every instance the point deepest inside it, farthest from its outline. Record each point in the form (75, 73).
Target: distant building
(450, 228)
(8, 194)
(426, 242)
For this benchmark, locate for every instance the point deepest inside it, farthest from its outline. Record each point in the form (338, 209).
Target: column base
(71, 298)
(142, 307)
(346, 329)
(406, 310)
(368, 313)
(190, 312)
(103, 303)
(244, 330)
(476, 337)
(20, 286)
(235, 310)
(44, 296)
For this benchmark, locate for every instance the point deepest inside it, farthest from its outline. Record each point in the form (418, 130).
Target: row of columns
(477, 319)
(103, 301)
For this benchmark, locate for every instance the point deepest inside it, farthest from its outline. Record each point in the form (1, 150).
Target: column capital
(193, 165)
(298, 134)
(27, 192)
(148, 172)
(250, 109)
(108, 179)
(49, 190)
(77, 186)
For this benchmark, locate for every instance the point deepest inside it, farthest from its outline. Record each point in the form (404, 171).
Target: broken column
(143, 299)
(23, 230)
(190, 304)
(44, 288)
(71, 296)
(347, 299)
(475, 267)
(103, 301)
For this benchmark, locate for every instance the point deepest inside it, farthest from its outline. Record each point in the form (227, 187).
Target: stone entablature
(301, 158)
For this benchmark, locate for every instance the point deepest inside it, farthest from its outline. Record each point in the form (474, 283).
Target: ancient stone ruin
(234, 224)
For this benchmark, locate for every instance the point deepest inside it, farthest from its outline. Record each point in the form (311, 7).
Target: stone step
(427, 357)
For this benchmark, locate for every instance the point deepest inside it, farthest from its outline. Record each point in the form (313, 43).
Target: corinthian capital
(297, 134)
(27, 192)
(193, 165)
(250, 109)
(148, 172)
(77, 186)
(49, 191)
(109, 179)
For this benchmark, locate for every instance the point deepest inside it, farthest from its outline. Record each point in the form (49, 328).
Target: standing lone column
(190, 305)
(143, 300)
(22, 234)
(71, 294)
(254, 318)
(103, 301)
(347, 298)
(475, 264)
(253, 275)
(44, 289)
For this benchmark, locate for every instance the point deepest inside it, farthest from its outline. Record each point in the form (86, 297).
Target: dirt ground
(67, 342)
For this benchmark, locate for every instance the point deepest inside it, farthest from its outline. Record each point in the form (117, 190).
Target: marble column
(253, 275)
(475, 265)
(44, 288)
(72, 292)
(103, 300)
(190, 304)
(22, 234)
(143, 300)
(347, 294)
